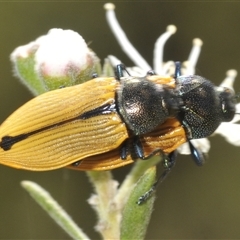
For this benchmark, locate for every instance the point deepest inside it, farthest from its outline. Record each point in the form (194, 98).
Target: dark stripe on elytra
(8, 141)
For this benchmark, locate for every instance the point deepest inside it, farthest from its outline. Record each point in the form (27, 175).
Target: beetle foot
(168, 163)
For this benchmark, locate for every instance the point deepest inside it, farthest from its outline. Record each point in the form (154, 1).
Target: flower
(59, 58)
(229, 130)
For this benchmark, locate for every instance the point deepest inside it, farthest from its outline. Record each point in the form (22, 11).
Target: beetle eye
(228, 103)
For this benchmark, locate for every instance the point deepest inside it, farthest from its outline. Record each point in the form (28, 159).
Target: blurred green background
(193, 203)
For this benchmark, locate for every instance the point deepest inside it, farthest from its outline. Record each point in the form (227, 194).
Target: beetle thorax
(142, 104)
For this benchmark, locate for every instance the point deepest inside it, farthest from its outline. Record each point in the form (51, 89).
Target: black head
(228, 102)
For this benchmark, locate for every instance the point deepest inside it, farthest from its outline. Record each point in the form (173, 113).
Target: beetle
(94, 128)
(64, 126)
(202, 108)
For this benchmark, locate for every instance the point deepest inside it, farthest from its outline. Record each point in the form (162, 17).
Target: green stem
(104, 204)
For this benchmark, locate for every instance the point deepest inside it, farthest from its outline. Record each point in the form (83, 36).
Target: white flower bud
(61, 51)
(60, 58)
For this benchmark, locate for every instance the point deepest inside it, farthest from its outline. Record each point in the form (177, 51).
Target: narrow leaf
(136, 217)
(45, 200)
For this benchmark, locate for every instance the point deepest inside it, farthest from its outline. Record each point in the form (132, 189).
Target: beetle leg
(169, 163)
(76, 164)
(137, 145)
(134, 147)
(197, 155)
(124, 150)
(151, 73)
(94, 75)
(177, 70)
(119, 71)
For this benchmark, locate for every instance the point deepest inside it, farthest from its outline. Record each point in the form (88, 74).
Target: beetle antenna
(177, 69)
(119, 71)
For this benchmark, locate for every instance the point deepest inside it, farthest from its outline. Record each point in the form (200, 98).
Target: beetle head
(205, 106)
(228, 102)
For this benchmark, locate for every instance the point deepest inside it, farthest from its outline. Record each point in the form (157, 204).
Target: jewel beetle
(202, 108)
(64, 126)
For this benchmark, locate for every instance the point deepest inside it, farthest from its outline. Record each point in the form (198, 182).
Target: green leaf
(24, 69)
(45, 200)
(136, 217)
